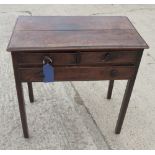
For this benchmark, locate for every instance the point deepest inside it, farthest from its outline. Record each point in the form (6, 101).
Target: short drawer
(58, 59)
(79, 73)
(124, 57)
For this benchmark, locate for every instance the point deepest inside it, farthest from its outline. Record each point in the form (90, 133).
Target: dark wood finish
(30, 90)
(81, 48)
(72, 23)
(108, 57)
(37, 58)
(97, 39)
(50, 33)
(80, 58)
(126, 98)
(110, 88)
(79, 73)
(20, 98)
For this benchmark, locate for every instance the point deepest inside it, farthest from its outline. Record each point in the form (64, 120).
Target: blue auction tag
(48, 72)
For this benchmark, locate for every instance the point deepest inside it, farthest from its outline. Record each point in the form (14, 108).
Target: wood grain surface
(80, 32)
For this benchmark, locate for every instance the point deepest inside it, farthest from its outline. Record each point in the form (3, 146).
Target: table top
(33, 33)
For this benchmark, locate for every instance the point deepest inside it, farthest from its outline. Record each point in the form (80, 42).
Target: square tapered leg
(30, 90)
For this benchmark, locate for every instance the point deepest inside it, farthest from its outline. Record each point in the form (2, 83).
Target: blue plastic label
(48, 72)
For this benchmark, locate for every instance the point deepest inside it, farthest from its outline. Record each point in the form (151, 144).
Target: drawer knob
(114, 73)
(106, 57)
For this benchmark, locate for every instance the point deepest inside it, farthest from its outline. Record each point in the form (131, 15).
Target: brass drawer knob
(106, 57)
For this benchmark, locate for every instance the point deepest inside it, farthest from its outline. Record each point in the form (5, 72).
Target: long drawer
(79, 73)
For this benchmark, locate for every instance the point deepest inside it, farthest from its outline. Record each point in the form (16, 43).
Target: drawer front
(79, 73)
(108, 58)
(37, 58)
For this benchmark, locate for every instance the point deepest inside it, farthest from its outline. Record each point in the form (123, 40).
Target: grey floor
(77, 115)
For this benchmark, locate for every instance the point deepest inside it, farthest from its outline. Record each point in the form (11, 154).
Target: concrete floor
(77, 115)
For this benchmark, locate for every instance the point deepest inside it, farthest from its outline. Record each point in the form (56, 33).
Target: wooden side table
(81, 48)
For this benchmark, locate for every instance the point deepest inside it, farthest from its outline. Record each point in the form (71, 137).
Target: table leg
(20, 97)
(110, 88)
(124, 106)
(127, 96)
(30, 90)
(22, 108)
